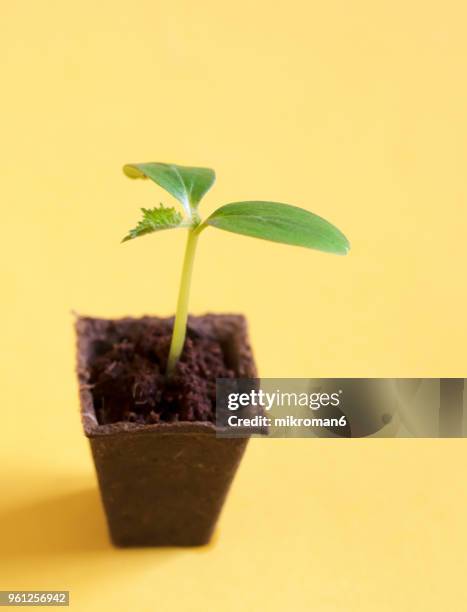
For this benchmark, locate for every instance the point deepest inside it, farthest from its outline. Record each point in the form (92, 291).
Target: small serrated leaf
(154, 220)
(187, 184)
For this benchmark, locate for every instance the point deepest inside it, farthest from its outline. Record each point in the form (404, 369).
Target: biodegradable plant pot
(162, 484)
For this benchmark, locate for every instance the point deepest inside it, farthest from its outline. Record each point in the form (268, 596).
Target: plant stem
(181, 315)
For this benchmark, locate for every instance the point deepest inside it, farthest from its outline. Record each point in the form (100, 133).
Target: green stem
(181, 316)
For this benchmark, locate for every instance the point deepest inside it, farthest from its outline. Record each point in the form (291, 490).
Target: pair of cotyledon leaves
(267, 220)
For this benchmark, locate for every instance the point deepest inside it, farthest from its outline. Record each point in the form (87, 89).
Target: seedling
(267, 220)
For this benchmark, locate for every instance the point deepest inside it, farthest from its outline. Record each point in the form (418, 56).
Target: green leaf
(155, 220)
(186, 184)
(279, 223)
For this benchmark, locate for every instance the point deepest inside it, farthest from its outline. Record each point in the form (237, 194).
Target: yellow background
(354, 110)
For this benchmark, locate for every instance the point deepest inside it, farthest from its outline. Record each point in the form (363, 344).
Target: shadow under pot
(163, 480)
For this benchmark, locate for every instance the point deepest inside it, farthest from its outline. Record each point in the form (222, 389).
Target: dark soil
(128, 374)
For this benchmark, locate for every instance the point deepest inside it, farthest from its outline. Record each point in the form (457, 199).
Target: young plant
(267, 220)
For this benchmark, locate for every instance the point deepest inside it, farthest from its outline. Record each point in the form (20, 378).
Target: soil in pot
(163, 472)
(128, 374)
